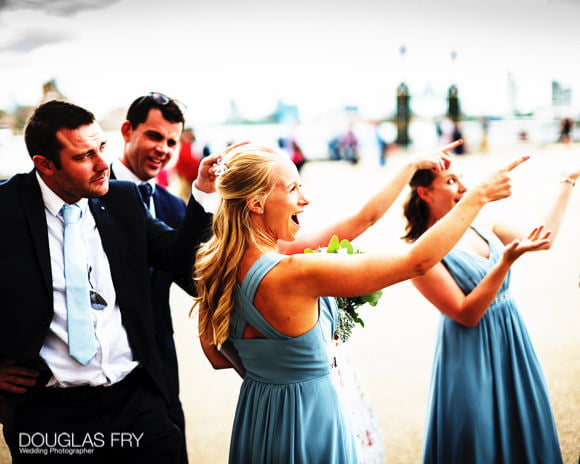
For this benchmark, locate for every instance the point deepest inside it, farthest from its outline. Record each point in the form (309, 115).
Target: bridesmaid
(488, 401)
(368, 436)
(274, 310)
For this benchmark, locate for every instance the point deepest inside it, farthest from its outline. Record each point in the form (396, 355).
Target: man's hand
(15, 379)
(207, 172)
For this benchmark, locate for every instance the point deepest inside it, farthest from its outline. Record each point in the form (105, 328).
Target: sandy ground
(393, 353)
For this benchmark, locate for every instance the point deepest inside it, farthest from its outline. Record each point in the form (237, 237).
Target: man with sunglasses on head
(151, 133)
(80, 370)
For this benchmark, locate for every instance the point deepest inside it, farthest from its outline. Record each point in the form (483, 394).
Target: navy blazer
(133, 242)
(171, 210)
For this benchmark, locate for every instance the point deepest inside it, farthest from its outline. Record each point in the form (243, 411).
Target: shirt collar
(53, 203)
(122, 172)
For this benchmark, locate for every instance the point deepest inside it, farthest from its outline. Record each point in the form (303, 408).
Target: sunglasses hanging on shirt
(97, 301)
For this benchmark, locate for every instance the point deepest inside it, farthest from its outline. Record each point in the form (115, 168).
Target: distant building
(17, 120)
(286, 113)
(561, 96)
(50, 92)
(512, 94)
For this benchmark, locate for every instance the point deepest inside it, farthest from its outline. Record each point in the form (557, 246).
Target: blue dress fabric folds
(488, 400)
(288, 409)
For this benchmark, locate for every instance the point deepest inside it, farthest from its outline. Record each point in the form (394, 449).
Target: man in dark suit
(112, 406)
(151, 134)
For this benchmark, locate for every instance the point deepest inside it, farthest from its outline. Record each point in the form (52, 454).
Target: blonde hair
(248, 173)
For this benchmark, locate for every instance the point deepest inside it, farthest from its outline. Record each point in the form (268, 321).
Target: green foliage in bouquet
(348, 315)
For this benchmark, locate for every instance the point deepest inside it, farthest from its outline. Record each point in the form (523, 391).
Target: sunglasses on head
(162, 100)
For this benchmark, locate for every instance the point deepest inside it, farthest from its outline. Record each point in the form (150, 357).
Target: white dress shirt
(208, 201)
(114, 358)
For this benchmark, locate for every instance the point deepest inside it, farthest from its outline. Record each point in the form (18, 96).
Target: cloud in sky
(22, 39)
(313, 53)
(26, 40)
(55, 7)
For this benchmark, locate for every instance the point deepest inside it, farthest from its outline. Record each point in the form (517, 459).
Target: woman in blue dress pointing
(488, 398)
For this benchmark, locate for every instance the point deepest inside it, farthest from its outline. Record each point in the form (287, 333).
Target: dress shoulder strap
(257, 271)
(247, 312)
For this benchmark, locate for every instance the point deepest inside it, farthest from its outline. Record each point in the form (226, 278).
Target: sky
(321, 55)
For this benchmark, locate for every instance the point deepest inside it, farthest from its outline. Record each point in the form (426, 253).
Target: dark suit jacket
(171, 210)
(133, 241)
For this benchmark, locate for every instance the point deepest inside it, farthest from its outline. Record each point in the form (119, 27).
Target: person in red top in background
(163, 178)
(187, 163)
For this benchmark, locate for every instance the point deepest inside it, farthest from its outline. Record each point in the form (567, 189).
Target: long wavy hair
(415, 209)
(248, 173)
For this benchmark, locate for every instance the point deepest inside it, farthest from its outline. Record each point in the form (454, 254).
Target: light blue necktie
(81, 333)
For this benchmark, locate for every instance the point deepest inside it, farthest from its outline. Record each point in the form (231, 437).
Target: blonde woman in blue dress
(275, 310)
(368, 436)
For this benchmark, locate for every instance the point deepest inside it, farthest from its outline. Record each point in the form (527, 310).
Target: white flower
(220, 167)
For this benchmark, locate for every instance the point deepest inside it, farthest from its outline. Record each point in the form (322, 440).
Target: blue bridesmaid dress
(288, 409)
(488, 399)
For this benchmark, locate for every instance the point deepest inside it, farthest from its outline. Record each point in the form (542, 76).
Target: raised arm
(354, 225)
(553, 217)
(439, 287)
(439, 239)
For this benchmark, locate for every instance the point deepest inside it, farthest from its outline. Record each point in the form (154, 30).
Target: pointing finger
(446, 161)
(451, 146)
(516, 163)
(239, 144)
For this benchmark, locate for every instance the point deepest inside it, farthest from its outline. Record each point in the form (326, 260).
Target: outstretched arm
(554, 216)
(439, 287)
(439, 239)
(352, 226)
(319, 274)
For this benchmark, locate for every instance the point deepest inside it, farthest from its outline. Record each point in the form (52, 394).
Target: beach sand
(393, 353)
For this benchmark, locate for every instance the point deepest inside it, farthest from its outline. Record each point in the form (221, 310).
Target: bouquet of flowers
(347, 306)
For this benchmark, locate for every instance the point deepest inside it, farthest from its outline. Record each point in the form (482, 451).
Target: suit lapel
(160, 205)
(33, 208)
(108, 230)
(167, 208)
